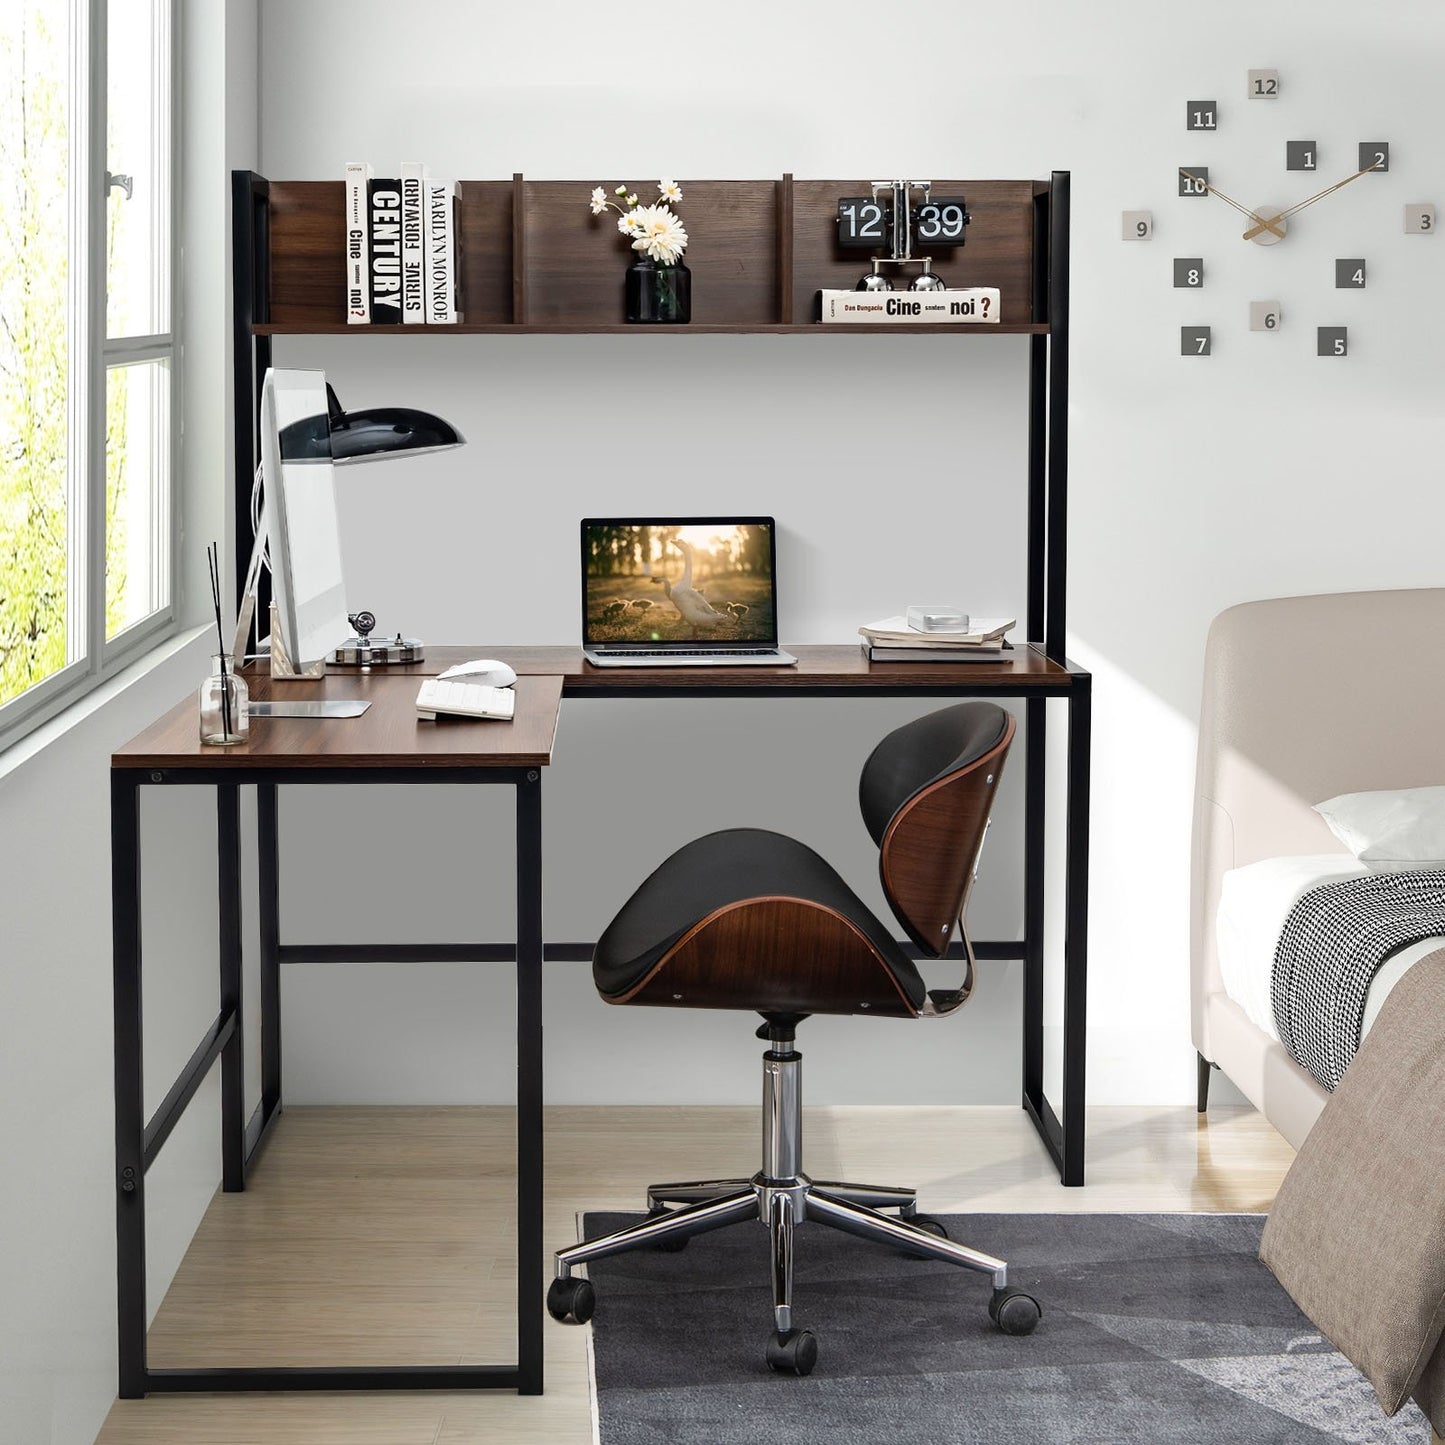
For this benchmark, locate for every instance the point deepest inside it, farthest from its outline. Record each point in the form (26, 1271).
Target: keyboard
(689, 652)
(464, 699)
(686, 657)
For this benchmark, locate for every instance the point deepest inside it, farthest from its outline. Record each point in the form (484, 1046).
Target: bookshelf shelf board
(533, 260)
(733, 328)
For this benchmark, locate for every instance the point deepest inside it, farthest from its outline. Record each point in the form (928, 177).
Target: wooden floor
(385, 1236)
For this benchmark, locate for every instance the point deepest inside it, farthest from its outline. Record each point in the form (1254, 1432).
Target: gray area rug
(1157, 1328)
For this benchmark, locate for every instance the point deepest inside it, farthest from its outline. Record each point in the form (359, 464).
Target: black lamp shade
(385, 430)
(366, 435)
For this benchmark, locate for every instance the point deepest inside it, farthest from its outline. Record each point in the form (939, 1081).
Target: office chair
(748, 919)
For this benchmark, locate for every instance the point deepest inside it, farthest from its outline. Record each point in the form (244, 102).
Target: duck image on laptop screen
(680, 591)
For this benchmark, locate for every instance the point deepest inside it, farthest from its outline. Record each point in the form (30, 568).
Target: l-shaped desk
(387, 745)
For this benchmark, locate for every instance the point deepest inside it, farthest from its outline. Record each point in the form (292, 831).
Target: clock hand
(1318, 196)
(1229, 200)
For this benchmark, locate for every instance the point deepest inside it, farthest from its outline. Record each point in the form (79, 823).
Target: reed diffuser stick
(213, 562)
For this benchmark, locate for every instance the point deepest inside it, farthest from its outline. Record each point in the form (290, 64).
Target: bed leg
(1204, 1067)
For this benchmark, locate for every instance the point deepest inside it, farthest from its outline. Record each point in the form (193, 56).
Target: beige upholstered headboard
(1305, 698)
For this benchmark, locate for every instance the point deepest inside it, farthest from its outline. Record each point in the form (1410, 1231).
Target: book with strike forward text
(413, 242)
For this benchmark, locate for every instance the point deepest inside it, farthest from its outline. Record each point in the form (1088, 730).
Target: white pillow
(1403, 825)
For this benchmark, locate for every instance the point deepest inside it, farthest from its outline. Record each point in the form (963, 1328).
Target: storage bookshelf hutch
(532, 262)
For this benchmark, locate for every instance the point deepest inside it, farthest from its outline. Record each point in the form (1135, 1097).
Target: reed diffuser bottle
(225, 704)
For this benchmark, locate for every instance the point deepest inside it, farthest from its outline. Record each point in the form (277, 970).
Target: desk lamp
(344, 437)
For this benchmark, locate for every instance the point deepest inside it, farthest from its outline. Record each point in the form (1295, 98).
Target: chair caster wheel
(1014, 1312)
(928, 1225)
(571, 1301)
(674, 1245)
(793, 1352)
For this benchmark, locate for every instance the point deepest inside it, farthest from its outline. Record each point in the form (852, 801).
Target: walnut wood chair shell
(755, 920)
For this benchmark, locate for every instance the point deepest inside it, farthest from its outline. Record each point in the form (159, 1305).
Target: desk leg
(1036, 720)
(1076, 926)
(268, 857)
(529, 1083)
(233, 1058)
(130, 1226)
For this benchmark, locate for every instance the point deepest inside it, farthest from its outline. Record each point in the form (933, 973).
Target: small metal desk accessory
(362, 651)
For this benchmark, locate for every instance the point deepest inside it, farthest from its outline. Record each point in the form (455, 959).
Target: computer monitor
(300, 509)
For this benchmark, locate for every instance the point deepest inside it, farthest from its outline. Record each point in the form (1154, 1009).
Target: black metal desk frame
(139, 1141)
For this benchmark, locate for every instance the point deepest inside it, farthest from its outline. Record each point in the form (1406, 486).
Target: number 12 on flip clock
(866, 223)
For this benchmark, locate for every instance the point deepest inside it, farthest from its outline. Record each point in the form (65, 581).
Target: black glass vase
(657, 293)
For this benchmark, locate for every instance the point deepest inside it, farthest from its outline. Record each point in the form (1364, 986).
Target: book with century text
(358, 290)
(383, 239)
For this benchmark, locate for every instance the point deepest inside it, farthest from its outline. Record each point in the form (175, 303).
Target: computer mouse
(484, 670)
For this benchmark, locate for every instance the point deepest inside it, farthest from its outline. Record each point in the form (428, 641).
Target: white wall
(57, 1201)
(1262, 470)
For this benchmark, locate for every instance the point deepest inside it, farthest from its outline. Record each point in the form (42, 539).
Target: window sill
(185, 652)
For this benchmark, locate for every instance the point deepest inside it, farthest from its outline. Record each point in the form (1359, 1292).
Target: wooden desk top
(387, 735)
(821, 668)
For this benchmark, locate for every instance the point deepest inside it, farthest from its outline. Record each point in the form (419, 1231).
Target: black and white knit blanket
(1331, 947)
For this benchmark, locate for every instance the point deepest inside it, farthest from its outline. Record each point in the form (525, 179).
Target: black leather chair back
(925, 793)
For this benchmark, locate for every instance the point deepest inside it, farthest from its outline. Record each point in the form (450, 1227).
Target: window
(87, 345)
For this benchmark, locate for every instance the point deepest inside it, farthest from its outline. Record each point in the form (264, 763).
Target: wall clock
(1266, 222)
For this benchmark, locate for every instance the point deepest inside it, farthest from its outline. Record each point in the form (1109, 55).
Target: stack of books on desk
(893, 640)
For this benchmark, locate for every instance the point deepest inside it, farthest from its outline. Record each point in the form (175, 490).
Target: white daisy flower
(632, 200)
(660, 234)
(599, 201)
(669, 191)
(627, 224)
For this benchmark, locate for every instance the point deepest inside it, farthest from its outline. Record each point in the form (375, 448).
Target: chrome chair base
(781, 1196)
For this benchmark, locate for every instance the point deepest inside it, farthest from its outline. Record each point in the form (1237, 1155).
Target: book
(1004, 652)
(443, 283)
(897, 630)
(413, 248)
(358, 293)
(383, 241)
(971, 305)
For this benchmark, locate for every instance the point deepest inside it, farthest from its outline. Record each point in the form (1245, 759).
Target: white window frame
(91, 659)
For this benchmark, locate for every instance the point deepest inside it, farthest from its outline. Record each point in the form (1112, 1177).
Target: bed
(1305, 698)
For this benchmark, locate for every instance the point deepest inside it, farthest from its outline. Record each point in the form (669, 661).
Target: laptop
(680, 592)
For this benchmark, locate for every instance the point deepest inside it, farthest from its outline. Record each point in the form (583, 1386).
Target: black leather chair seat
(726, 868)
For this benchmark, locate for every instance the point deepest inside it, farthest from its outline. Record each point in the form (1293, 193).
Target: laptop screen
(678, 581)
